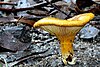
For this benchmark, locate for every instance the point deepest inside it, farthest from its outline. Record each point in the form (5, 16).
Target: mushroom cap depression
(78, 20)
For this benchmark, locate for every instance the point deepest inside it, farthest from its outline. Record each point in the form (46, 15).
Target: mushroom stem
(66, 40)
(67, 51)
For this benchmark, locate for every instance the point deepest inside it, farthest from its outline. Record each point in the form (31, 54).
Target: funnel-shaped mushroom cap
(78, 20)
(65, 30)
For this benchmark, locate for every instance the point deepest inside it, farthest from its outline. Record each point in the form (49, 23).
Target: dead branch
(7, 3)
(57, 8)
(15, 10)
(33, 56)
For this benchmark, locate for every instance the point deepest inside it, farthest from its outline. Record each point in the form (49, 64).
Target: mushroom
(65, 31)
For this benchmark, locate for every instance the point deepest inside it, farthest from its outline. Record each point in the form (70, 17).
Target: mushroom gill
(65, 31)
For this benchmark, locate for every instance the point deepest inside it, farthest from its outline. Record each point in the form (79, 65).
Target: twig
(58, 8)
(1, 57)
(7, 3)
(19, 19)
(33, 55)
(29, 20)
(15, 10)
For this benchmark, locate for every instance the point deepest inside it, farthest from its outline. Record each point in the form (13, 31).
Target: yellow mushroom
(65, 31)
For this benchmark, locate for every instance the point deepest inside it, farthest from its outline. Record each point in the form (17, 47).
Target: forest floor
(44, 49)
